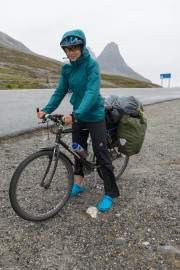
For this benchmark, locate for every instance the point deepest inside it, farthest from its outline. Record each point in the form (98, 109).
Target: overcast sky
(146, 31)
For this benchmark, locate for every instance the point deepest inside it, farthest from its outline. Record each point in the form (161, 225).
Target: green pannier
(127, 116)
(131, 134)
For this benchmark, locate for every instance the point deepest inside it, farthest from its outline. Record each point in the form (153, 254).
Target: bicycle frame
(89, 166)
(59, 141)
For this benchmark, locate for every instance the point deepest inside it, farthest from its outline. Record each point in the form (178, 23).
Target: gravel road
(142, 231)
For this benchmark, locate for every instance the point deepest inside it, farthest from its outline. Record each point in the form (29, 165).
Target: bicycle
(41, 185)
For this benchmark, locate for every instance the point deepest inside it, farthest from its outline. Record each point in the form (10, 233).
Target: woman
(82, 76)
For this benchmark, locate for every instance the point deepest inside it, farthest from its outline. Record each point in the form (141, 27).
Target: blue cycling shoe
(77, 189)
(106, 204)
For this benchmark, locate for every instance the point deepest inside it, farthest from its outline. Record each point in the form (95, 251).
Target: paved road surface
(18, 107)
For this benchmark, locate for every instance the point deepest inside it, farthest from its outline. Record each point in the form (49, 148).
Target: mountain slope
(21, 68)
(11, 43)
(111, 62)
(24, 70)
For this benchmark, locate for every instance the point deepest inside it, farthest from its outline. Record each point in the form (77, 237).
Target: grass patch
(123, 82)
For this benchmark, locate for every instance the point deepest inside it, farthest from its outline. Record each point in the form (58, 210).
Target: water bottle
(90, 151)
(80, 150)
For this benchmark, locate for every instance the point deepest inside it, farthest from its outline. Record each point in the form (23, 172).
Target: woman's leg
(99, 141)
(78, 180)
(81, 138)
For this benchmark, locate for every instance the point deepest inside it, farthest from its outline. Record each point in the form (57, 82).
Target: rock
(168, 250)
(121, 240)
(171, 254)
(92, 211)
(146, 243)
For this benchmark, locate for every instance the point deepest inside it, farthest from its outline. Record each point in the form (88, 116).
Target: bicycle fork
(55, 157)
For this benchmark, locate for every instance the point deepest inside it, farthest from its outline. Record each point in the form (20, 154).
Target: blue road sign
(165, 76)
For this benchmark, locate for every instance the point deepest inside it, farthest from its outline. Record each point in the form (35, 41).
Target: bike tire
(119, 162)
(29, 199)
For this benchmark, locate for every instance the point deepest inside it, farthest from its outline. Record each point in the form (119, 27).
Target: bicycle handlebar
(59, 118)
(56, 118)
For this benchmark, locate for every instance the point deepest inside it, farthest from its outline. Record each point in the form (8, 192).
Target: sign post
(165, 76)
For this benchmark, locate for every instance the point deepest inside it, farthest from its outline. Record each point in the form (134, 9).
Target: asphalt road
(18, 107)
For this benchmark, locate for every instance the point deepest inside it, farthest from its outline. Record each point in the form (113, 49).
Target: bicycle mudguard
(61, 153)
(46, 149)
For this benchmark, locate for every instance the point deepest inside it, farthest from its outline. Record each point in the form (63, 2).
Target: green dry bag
(131, 134)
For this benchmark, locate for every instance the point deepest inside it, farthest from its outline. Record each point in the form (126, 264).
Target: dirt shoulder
(141, 232)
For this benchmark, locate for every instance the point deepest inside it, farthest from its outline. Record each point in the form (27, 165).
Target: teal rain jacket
(83, 78)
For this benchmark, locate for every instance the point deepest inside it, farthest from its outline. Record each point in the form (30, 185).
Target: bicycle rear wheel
(29, 196)
(119, 161)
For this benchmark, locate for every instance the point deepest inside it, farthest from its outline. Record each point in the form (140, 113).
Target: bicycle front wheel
(30, 196)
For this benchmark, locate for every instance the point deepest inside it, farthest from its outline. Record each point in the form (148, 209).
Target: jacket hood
(78, 33)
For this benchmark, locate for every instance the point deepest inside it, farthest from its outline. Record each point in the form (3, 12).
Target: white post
(169, 83)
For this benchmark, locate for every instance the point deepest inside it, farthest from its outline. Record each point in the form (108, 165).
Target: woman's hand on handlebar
(67, 119)
(41, 114)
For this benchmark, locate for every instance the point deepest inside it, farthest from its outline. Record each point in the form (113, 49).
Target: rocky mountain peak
(112, 47)
(111, 62)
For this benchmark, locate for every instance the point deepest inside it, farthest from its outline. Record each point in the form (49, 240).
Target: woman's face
(73, 52)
